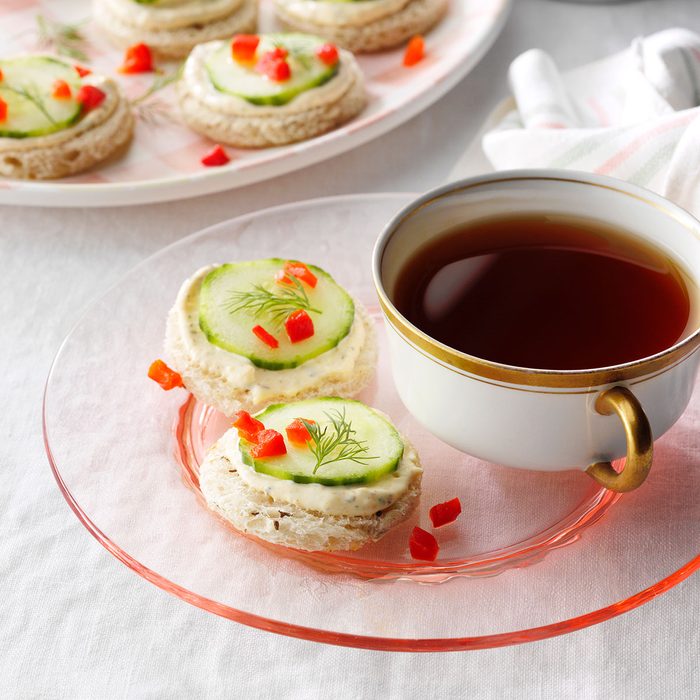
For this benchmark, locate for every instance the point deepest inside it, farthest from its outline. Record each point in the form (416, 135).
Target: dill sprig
(162, 80)
(336, 441)
(260, 301)
(66, 39)
(156, 111)
(31, 93)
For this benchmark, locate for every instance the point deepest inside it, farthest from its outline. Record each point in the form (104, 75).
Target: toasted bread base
(417, 17)
(90, 146)
(253, 512)
(250, 130)
(215, 389)
(176, 43)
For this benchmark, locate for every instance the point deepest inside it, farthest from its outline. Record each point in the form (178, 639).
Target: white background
(76, 623)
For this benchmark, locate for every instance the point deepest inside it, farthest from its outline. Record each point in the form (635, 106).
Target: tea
(546, 292)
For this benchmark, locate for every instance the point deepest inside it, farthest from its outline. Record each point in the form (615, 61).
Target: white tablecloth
(75, 623)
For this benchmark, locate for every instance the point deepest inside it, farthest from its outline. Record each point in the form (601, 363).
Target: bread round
(76, 149)
(256, 127)
(416, 17)
(254, 513)
(175, 42)
(215, 389)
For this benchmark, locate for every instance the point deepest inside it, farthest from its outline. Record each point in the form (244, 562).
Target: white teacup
(532, 418)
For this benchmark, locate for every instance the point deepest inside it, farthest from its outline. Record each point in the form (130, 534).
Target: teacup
(537, 418)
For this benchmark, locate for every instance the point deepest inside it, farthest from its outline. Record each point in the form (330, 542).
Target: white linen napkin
(634, 116)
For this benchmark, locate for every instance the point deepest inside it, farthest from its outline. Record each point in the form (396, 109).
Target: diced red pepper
(423, 545)
(268, 443)
(137, 59)
(248, 427)
(3, 110)
(446, 512)
(299, 326)
(168, 378)
(415, 50)
(266, 337)
(281, 278)
(244, 46)
(61, 90)
(273, 64)
(217, 156)
(2, 75)
(301, 272)
(81, 71)
(327, 54)
(90, 97)
(298, 433)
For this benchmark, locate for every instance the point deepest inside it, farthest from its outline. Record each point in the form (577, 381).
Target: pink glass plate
(109, 438)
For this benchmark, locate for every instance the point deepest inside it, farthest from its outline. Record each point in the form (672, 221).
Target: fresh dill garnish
(260, 301)
(66, 39)
(156, 111)
(31, 93)
(336, 441)
(162, 80)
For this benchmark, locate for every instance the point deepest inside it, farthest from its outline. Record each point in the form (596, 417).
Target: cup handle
(640, 446)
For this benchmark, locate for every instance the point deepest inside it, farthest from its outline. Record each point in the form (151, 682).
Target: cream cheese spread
(356, 13)
(86, 122)
(352, 500)
(336, 364)
(174, 15)
(197, 84)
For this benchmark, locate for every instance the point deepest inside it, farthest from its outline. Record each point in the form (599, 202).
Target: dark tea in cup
(546, 291)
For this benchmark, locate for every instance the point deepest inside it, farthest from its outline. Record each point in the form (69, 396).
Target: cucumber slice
(332, 312)
(27, 86)
(383, 443)
(242, 80)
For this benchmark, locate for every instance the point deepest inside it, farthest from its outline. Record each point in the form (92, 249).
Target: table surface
(77, 623)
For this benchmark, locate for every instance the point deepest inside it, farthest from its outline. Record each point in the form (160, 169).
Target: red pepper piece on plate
(168, 378)
(266, 337)
(273, 64)
(244, 46)
(2, 76)
(61, 90)
(90, 97)
(82, 71)
(301, 272)
(248, 427)
(415, 50)
(278, 52)
(297, 433)
(3, 110)
(444, 513)
(268, 443)
(327, 54)
(281, 278)
(137, 59)
(423, 545)
(299, 326)
(217, 156)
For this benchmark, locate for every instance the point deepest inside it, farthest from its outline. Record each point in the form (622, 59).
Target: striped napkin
(634, 116)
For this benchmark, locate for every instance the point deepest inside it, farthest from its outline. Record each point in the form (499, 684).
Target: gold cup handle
(640, 447)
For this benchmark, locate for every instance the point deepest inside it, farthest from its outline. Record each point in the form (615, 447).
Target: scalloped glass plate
(533, 554)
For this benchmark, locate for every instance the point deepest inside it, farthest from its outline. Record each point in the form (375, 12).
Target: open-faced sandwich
(269, 89)
(172, 28)
(361, 25)
(321, 474)
(56, 118)
(247, 334)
